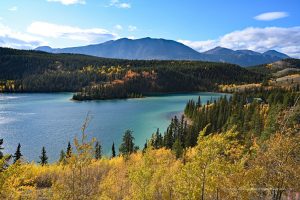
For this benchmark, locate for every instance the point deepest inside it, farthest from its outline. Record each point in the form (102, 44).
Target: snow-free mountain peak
(162, 49)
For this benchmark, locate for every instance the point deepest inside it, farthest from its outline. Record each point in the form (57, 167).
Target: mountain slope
(219, 51)
(161, 49)
(274, 53)
(243, 57)
(141, 49)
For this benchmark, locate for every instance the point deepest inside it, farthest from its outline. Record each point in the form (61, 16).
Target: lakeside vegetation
(101, 78)
(243, 147)
(172, 76)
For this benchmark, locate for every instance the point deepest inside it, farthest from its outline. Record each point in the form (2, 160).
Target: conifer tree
(199, 102)
(177, 148)
(156, 140)
(98, 151)
(69, 151)
(127, 147)
(43, 157)
(113, 150)
(168, 138)
(17, 156)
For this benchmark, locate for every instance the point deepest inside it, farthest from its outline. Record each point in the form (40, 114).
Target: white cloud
(118, 27)
(68, 2)
(124, 5)
(132, 28)
(118, 4)
(92, 35)
(200, 45)
(269, 16)
(15, 39)
(13, 9)
(286, 40)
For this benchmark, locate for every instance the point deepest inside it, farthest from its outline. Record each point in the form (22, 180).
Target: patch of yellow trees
(219, 167)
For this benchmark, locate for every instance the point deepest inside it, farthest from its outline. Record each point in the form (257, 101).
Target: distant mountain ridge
(162, 49)
(244, 57)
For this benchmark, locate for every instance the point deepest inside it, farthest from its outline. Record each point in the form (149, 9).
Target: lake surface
(51, 120)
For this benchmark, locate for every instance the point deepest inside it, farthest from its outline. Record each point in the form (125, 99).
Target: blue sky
(201, 24)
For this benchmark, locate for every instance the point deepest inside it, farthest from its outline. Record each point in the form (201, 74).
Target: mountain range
(162, 49)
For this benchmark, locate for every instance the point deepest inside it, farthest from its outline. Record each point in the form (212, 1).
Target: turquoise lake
(51, 120)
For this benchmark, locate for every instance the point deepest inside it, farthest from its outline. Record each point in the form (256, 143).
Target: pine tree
(69, 151)
(43, 157)
(168, 138)
(199, 102)
(62, 157)
(188, 139)
(98, 151)
(127, 147)
(1, 148)
(113, 150)
(157, 140)
(17, 156)
(176, 127)
(177, 148)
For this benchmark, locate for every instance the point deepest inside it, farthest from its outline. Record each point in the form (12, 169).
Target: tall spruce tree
(69, 151)
(177, 148)
(199, 101)
(17, 156)
(98, 150)
(113, 150)
(168, 137)
(156, 140)
(127, 147)
(43, 157)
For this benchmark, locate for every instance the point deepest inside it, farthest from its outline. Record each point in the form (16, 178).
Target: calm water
(51, 120)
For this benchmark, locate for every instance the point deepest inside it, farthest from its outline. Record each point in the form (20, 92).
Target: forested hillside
(100, 78)
(291, 64)
(177, 76)
(245, 146)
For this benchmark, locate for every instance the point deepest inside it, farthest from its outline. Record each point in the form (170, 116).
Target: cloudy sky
(257, 25)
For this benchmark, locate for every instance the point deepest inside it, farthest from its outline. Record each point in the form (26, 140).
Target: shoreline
(155, 94)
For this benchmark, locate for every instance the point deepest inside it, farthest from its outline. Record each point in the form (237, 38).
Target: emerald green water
(51, 120)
